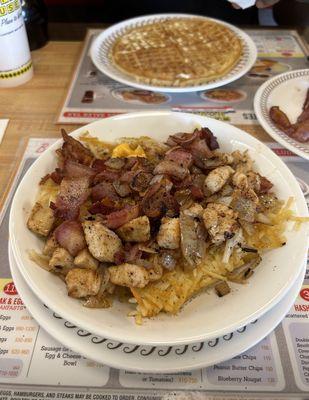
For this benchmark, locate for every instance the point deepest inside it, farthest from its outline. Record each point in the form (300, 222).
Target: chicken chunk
(245, 202)
(220, 222)
(41, 219)
(242, 161)
(50, 245)
(136, 230)
(102, 242)
(61, 261)
(169, 233)
(85, 260)
(156, 272)
(129, 275)
(217, 178)
(83, 282)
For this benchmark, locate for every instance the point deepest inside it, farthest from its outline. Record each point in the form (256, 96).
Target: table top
(32, 108)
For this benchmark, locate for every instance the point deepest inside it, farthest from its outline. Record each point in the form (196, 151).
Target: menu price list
(296, 330)
(27, 351)
(258, 369)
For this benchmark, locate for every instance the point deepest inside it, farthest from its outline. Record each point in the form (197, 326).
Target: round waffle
(177, 52)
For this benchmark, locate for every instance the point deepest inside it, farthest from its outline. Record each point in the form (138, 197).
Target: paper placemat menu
(93, 95)
(34, 365)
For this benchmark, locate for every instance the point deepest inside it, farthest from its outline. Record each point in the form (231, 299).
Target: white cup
(15, 58)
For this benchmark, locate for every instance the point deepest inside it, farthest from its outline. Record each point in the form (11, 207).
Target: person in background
(111, 11)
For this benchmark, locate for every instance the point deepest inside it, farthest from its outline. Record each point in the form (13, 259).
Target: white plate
(201, 318)
(152, 358)
(288, 91)
(101, 47)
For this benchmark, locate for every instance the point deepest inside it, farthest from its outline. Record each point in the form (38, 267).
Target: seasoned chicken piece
(41, 219)
(129, 275)
(169, 233)
(83, 282)
(220, 222)
(61, 261)
(50, 245)
(100, 300)
(136, 230)
(192, 235)
(217, 178)
(242, 161)
(156, 272)
(240, 180)
(85, 260)
(245, 202)
(102, 242)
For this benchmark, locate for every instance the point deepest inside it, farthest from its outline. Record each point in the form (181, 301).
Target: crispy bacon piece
(73, 193)
(158, 200)
(301, 132)
(102, 190)
(70, 236)
(265, 185)
(304, 116)
(210, 138)
(73, 169)
(119, 257)
(106, 175)
(74, 150)
(306, 102)
(279, 118)
(101, 208)
(171, 168)
(118, 218)
(180, 156)
(141, 181)
(98, 165)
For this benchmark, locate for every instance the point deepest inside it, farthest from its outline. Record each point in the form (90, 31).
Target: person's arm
(260, 3)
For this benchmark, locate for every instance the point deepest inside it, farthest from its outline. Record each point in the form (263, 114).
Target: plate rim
(252, 49)
(264, 120)
(39, 293)
(54, 333)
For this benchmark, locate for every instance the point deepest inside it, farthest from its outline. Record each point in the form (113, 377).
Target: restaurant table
(32, 110)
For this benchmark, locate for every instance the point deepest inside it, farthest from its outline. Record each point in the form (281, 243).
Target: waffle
(177, 52)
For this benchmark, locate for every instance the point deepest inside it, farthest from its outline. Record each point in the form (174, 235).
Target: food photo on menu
(154, 217)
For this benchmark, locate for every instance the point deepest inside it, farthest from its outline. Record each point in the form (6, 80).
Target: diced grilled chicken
(192, 235)
(169, 233)
(217, 178)
(220, 222)
(136, 230)
(245, 202)
(102, 242)
(242, 161)
(61, 261)
(50, 245)
(41, 219)
(100, 300)
(240, 180)
(156, 272)
(85, 260)
(129, 275)
(83, 282)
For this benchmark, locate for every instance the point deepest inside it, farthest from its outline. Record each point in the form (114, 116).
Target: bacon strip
(73, 169)
(70, 236)
(118, 218)
(180, 156)
(171, 168)
(74, 150)
(104, 190)
(73, 193)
